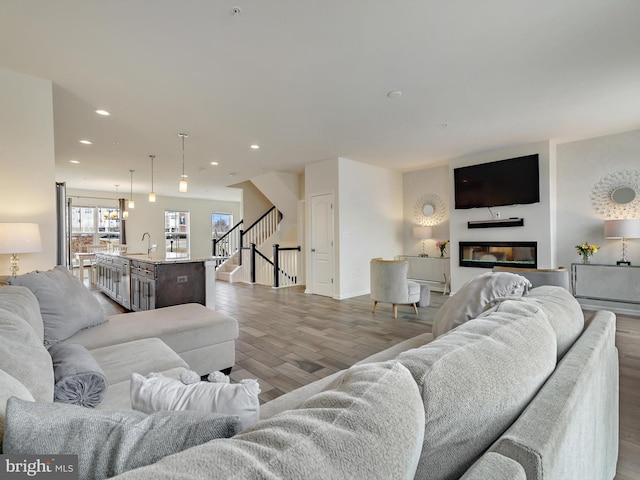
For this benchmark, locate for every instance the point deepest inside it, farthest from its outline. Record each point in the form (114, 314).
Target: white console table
(435, 271)
(614, 286)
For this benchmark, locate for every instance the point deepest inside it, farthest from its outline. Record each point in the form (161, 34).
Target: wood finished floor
(289, 339)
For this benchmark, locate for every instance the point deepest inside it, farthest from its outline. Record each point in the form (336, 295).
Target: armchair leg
(395, 310)
(375, 304)
(415, 308)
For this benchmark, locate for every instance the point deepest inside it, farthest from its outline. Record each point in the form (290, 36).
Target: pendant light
(152, 195)
(183, 179)
(131, 202)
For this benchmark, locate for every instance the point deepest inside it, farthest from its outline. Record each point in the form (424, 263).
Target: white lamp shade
(20, 238)
(624, 228)
(422, 232)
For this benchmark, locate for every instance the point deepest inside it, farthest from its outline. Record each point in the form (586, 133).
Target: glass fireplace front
(506, 254)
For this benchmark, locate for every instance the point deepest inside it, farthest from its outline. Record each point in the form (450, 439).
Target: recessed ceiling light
(255, 147)
(394, 94)
(215, 163)
(86, 142)
(74, 161)
(104, 113)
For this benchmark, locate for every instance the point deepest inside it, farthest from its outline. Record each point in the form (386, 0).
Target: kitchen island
(143, 282)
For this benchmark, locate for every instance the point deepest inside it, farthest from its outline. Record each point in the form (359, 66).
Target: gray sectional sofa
(520, 387)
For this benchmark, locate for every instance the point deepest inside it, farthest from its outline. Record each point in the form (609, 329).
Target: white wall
(581, 165)
(149, 217)
(415, 185)
(27, 162)
(370, 223)
(367, 218)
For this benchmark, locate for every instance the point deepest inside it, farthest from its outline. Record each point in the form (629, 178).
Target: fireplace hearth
(506, 254)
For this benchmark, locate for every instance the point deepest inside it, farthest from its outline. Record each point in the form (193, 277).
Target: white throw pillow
(158, 393)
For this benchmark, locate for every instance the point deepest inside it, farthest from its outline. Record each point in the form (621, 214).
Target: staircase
(258, 233)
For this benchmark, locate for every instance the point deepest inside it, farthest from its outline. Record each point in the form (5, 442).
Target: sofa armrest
(570, 429)
(496, 467)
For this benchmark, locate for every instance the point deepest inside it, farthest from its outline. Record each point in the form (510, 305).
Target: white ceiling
(308, 80)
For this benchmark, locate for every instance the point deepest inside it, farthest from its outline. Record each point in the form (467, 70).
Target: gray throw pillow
(66, 305)
(107, 443)
(79, 378)
(475, 296)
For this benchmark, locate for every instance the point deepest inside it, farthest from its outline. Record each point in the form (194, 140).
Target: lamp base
(14, 264)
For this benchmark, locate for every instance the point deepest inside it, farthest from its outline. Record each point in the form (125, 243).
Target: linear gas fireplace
(506, 254)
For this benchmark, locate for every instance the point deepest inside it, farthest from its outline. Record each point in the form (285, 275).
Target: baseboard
(351, 295)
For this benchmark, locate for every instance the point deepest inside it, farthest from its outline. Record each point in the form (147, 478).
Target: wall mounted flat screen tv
(515, 181)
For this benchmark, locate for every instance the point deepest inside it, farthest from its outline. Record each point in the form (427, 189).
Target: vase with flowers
(442, 246)
(586, 249)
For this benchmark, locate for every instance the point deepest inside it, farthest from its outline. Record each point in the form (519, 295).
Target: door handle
(313, 250)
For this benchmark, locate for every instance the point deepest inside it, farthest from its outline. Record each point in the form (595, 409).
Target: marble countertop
(160, 257)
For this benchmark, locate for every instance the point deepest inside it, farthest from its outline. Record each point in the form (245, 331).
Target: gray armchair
(389, 284)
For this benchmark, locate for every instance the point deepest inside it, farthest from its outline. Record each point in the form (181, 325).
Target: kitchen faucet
(149, 246)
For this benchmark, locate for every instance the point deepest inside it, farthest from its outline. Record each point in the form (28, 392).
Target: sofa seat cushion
(24, 357)
(140, 356)
(563, 311)
(183, 327)
(341, 433)
(469, 397)
(22, 302)
(66, 305)
(475, 296)
(107, 443)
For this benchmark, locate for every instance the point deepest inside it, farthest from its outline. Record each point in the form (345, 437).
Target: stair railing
(229, 243)
(286, 262)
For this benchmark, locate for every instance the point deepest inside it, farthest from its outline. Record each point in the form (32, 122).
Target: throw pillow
(79, 378)
(158, 393)
(107, 443)
(10, 387)
(367, 424)
(66, 305)
(476, 295)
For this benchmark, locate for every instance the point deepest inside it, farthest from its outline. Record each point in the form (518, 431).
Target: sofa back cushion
(476, 380)
(563, 311)
(23, 356)
(367, 424)
(475, 296)
(22, 301)
(10, 387)
(66, 305)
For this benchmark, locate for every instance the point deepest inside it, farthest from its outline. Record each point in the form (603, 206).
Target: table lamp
(623, 228)
(422, 233)
(18, 238)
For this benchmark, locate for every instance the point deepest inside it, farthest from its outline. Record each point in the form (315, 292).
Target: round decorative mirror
(617, 195)
(428, 210)
(623, 195)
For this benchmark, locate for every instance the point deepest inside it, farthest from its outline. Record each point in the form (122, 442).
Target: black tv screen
(514, 181)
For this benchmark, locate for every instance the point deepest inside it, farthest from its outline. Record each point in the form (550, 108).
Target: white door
(322, 245)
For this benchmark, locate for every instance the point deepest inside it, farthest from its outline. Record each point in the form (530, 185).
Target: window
(176, 229)
(93, 226)
(220, 224)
